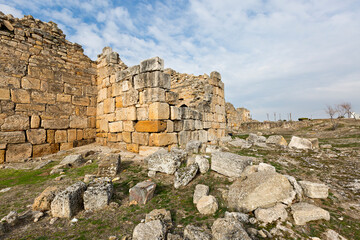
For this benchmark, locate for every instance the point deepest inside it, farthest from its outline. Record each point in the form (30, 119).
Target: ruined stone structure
(53, 97)
(235, 117)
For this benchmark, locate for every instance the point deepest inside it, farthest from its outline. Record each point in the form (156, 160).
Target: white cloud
(11, 10)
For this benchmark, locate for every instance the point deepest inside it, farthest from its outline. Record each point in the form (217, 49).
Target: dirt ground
(337, 166)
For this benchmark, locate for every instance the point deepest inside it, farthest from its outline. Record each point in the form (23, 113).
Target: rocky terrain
(275, 184)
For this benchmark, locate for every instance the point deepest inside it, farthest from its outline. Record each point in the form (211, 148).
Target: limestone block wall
(137, 107)
(235, 117)
(48, 90)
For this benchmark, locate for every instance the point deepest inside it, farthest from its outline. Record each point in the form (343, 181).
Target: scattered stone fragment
(237, 142)
(297, 188)
(89, 177)
(330, 234)
(149, 231)
(266, 167)
(193, 146)
(109, 165)
(228, 228)
(43, 201)
(151, 174)
(42, 164)
(314, 190)
(241, 217)
(300, 143)
(192, 232)
(326, 146)
(268, 215)
(277, 140)
(305, 212)
(166, 162)
(72, 161)
(53, 220)
(229, 164)
(5, 190)
(68, 202)
(113, 238)
(254, 138)
(171, 236)
(203, 163)
(98, 194)
(142, 192)
(37, 215)
(184, 175)
(200, 191)
(74, 220)
(12, 218)
(314, 142)
(260, 189)
(159, 214)
(207, 205)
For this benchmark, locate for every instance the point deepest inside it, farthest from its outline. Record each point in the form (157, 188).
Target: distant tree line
(338, 111)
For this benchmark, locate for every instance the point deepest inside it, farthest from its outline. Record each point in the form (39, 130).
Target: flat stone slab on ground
(200, 191)
(229, 164)
(314, 190)
(192, 232)
(184, 175)
(43, 201)
(268, 215)
(109, 165)
(228, 228)
(153, 230)
(166, 162)
(305, 212)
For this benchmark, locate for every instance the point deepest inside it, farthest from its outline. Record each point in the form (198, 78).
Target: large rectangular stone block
(130, 98)
(20, 96)
(102, 95)
(162, 139)
(142, 113)
(150, 95)
(36, 136)
(116, 126)
(16, 122)
(150, 126)
(175, 113)
(2, 156)
(189, 125)
(128, 126)
(152, 64)
(60, 136)
(109, 105)
(12, 137)
(30, 83)
(172, 97)
(71, 135)
(43, 97)
(55, 123)
(82, 101)
(156, 79)
(69, 202)
(140, 138)
(35, 121)
(18, 152)
(43, 149)
(78, 122)
(4, 94)
(184, 137)
(159, 111)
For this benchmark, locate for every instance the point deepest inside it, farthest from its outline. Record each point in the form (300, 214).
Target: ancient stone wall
(47, 90)
(137, 107)
(235, 117)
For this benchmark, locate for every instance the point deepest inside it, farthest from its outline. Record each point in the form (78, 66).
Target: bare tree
(345, 109)
(331, 111)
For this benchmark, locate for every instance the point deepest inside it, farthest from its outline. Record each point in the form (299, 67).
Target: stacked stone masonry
(47, 90)
(53, 97)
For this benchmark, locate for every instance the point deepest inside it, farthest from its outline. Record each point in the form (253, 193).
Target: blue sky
(274, 55)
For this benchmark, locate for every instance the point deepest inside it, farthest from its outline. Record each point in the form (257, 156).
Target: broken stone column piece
(142, 192)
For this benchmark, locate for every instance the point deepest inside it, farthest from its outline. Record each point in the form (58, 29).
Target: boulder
(238, 143)
(153, 230)
(305, 212)
(268, 215)
(228, 228)
(260, 189)
(314, 142)
(254, 138)
(241, 217)
(98, 194)
(266, 167)
(315, 190)
(229, 164)
(203, 163)
(184, 175)
(192, 232)
(207, 205)
(43, 201)
(109, 165)
(193, 146)
(200, 191)
(68, 202)
(142, 192)
(72, 160)
(166, 162)
(277, 140)
(297, 188)
(159, 214)
(332, 235)
(300, 143)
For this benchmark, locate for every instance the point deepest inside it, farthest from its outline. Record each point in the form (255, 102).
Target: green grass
(81, 171)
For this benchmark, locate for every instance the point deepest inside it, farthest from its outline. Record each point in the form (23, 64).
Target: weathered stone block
(152, 64)
(36, 136)
(109, 105)
(229, 164)
(314, 190)
(43, 97)
(55, 124)
(146, 150)
(132, 147)
(183, 176)
(68, 202)
(78, 122)
(35, 121)
(126, 136)
(128, 126)
(102, 95)
(4, 94)
(43, 201)
(16, 122)
(71, 133)
(150, 230)
(150, 126)
(98, 194)
(20, 96)
(175, 113)
(18, 152)
(207, 205)
(305, 212)
(200, 191)
(162, 139)
(63, 98)
(159, 111)
(12, 137)
(109, 165)
(82, 101)
(171, 97)
(66, 146)
(130, 98)
(2, 156)
(116, 126)
(44, 149)
(60, 136)
(189, 125)
(142, 192)
(150, 95)
(140, 138)
(142, 113)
